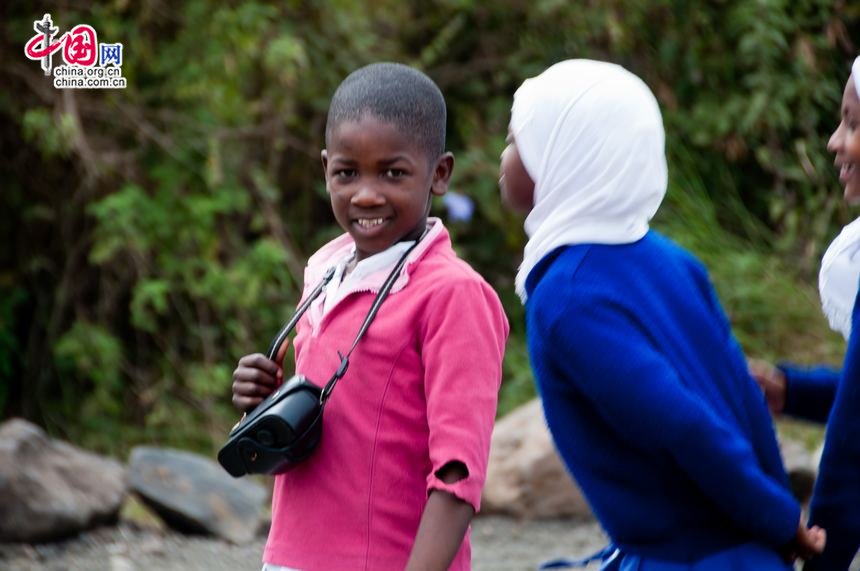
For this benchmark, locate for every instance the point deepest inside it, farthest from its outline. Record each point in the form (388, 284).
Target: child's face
(515, 185)
(381, 182)
(845, 142)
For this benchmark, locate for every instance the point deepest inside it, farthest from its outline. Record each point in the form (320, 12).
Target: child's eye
(345, 173)
(394, 173)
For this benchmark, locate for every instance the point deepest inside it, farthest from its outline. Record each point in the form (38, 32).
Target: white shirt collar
(340, 286)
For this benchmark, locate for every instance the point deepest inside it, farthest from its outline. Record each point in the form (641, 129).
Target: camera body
(280, 432)
(286, 427)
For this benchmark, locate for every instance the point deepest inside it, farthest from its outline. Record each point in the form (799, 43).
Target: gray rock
(525, 476)
(50, 489)
(193, 494)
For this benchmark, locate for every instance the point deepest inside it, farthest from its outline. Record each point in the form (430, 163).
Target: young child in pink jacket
(398, 473)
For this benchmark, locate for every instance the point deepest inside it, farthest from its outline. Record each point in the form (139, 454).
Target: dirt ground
(498, 544)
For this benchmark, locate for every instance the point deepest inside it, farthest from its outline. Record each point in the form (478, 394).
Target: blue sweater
(809, 391)
(649, 402)
(836, 499)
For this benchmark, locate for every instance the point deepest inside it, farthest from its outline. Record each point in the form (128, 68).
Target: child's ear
(324, 158)
(442, 174)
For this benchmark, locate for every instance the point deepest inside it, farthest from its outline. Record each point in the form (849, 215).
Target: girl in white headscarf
(824, 394)
(644, 388)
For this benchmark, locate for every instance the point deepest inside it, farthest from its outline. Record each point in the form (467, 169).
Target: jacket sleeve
(613, 362)
(837, 490)
(809, 391)
(463, 344)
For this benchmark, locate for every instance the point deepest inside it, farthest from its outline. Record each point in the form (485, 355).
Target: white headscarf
(590, 135)
(855, 73)
(839, 277)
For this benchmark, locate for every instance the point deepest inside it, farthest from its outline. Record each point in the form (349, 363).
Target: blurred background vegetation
(151, 236)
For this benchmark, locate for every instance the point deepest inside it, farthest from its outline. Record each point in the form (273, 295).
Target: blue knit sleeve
(613, 362)
(836, 498)
(809, 391)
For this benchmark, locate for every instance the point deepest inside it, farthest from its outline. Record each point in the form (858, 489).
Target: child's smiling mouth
(846, 170)
(369, 224)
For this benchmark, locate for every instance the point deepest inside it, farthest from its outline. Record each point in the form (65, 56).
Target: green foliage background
(151, 236)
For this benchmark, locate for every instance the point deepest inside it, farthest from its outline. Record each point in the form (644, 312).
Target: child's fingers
(256, 369)
(252, 389)
(258, 361)
(247, 395)
(819, 538)
(253, 380)
(282, 351)
(246, 404)
(810, 542)
(255, 376)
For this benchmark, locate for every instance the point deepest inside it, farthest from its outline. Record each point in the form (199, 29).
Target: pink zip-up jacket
(420, 392)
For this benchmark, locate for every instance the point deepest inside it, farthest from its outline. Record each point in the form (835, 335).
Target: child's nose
(835, 138)
(367, 196)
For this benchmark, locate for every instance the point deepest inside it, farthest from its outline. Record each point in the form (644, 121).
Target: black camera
(286, 427)
(279, 433)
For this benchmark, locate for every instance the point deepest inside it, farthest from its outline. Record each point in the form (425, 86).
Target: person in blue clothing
(644, 388)
(825, 394)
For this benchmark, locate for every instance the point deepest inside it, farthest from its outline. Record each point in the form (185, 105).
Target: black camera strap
(371, 314)
(291, 324)
(377, 302)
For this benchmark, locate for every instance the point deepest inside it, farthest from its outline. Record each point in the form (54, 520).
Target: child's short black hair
(396, 93)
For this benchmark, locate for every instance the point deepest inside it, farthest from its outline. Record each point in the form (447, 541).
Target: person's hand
(255, 377)
(807, 542)
(772, 383)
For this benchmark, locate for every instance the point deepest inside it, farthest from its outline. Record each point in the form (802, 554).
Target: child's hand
(253, 380)
(772, 383)
(807, 543)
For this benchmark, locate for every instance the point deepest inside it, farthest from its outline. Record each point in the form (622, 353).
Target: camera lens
(265, 438)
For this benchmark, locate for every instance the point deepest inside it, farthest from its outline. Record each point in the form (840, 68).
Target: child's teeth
(370, 222)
